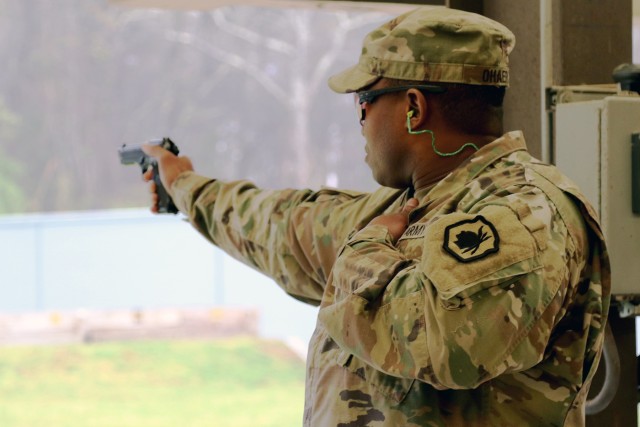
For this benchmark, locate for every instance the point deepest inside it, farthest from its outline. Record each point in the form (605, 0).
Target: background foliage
(234, 383)
(240, 90)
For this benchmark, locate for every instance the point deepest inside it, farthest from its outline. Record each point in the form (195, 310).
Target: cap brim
(351, 80)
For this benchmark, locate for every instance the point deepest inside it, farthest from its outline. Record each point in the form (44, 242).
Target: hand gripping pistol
(130, 154)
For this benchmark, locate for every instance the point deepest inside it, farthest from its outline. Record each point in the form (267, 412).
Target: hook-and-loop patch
(464, 253)
(471, 239)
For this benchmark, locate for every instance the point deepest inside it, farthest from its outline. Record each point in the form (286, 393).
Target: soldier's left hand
(397, 222)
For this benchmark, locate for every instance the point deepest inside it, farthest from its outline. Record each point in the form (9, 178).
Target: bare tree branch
(327, 60)
(360, 20)
(135, 16)
(346, 24)
(250, 36)
(235, 61)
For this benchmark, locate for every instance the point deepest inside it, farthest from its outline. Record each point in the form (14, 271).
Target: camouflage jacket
(488, 311)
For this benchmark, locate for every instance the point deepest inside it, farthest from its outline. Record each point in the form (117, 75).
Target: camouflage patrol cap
(434, 44)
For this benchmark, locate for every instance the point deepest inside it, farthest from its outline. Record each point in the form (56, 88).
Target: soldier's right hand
(169, 165)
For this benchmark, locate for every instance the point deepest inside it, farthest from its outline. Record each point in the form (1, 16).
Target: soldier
(471, 289)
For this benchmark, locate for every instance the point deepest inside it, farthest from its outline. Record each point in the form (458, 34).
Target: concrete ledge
(86, 326)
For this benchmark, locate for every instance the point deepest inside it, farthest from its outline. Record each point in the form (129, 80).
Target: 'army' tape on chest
(414, 231)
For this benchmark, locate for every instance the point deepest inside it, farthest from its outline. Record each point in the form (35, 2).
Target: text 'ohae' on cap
(432, 44)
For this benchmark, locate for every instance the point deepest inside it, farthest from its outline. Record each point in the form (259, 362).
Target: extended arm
(292, 236)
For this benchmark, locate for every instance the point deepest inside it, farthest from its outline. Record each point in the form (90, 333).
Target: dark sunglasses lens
(360, 107)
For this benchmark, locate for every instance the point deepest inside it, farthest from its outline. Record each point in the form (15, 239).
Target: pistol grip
(165, 203)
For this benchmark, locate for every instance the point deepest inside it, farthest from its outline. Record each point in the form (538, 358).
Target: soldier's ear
(417, 106)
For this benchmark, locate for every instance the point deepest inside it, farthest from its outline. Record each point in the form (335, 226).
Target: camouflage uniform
(490, 308)
(503, 328)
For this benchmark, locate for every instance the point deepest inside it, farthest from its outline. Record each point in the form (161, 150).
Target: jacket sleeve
(477, 302)
(291, 235)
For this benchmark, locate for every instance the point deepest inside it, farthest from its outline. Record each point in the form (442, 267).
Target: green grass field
(230, 383)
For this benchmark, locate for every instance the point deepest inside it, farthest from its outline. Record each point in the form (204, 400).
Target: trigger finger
(148, 174)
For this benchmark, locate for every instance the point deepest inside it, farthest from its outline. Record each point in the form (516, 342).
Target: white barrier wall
(133, 259)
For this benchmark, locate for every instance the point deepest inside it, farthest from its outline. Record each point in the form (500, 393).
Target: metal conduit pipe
(612, 376)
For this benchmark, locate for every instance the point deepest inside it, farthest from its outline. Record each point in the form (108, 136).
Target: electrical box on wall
(595, 143)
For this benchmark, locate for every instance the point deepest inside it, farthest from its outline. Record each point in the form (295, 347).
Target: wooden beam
(590, 38)
(375, 5)
(475, 6)
(524, 103)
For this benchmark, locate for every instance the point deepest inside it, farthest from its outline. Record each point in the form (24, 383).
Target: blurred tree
(12, 199)
(241, 90)
(291, 67)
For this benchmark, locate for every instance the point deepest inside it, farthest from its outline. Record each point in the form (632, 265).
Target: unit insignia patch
(471, 239)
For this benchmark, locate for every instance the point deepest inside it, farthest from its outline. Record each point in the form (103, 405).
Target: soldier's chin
(385, 181)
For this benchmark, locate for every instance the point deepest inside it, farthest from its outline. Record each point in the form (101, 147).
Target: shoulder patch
(471, 239)
(464, 253)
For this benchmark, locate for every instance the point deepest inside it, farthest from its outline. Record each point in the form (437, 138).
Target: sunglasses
(366, 97)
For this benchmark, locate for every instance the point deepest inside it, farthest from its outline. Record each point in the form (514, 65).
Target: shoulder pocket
(465, 253)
